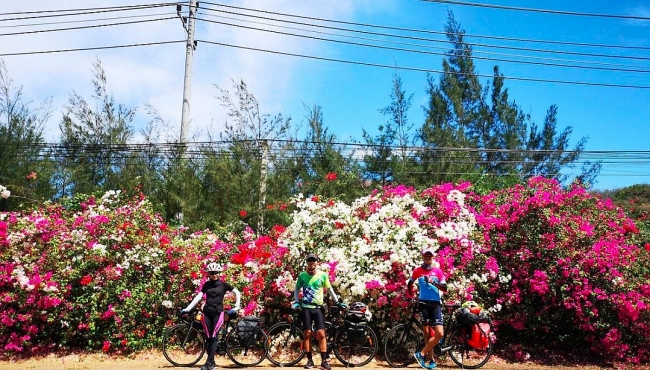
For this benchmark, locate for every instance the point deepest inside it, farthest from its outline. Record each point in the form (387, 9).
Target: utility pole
(188, 24)
(264, 146)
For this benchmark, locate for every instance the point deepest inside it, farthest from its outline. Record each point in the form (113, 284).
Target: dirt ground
(155, 360)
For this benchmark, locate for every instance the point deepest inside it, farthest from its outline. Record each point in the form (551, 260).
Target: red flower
(243, 213)
(107, 346)
(32, 176)
(647, 246)
(330, 176)
(314, 198)
(86, 280)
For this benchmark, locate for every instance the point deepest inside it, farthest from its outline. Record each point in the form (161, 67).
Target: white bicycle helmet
(213, 267)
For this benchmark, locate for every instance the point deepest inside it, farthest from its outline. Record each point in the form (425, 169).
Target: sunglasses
(427, 255)
(311, 260)
(213, 273)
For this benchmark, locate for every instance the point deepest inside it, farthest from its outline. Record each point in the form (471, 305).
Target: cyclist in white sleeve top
(213, 316)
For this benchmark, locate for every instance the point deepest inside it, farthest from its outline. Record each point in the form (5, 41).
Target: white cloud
(154, 74)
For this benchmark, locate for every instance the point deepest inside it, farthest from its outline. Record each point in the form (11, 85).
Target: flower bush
(578, 271)
(556, 266)
(105, 273)
(370, 247)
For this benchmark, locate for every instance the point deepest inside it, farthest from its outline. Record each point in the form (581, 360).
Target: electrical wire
(430, 52)
(566, 43)
(357, 153)
(537, 10)
(86, 27)
(405, 68)
(91, 48)
(563, 52)
(80, 11)
(83, 20)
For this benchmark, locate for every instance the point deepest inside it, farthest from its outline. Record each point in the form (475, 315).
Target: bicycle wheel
(402, 342)
(466, 356)
(183, 345)
(284, 348)
(246, 353)
(355, 345)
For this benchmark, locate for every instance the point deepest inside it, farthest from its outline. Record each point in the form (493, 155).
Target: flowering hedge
(577, 270)
(107, 274)
(561, 267)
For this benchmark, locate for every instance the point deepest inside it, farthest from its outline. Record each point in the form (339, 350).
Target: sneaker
(309, 364)
(431, 365)
(420, 359)
(325, 365)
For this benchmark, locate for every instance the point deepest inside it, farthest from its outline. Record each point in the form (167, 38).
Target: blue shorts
(430, 313)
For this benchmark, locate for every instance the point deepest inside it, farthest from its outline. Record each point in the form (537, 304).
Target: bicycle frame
(406, 338)
(342, 339)
(330, 328)
(184, 344)
(449, 325)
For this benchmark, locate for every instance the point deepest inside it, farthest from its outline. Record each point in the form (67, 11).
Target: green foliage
(463, 115)
(23, 165)
(92, 151)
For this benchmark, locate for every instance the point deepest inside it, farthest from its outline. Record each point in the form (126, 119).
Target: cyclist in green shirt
(312, 283)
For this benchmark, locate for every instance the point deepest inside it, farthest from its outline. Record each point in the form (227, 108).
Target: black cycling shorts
(312, 315)
(430, 313)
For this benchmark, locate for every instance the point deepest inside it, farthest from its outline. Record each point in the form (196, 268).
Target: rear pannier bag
(466, 318)
(247, 329)
(479, 336)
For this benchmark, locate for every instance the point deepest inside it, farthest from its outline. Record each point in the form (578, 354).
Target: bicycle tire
(183, 345)
(246, 355)
(355, 346)
(284, 348)
(402, 342)
(466, 356)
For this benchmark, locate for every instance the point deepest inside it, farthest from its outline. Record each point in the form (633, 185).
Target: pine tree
(25, 167)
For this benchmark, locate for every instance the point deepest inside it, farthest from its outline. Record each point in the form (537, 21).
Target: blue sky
(613, 118)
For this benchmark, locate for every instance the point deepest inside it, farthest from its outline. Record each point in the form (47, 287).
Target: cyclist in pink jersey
(432, 284)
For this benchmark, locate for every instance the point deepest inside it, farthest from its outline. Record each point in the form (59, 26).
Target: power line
(80, 11)
(83, 20)
(85, 27)
(424, 39)
(537, 10)
(115, 154)
(583, 83)
(568, 43)
(91, 48)
(432, 53)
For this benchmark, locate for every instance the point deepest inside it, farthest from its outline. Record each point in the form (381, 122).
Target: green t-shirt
(312, 288)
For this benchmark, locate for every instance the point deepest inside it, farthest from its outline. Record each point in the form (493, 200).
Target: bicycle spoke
(284, 346)
(246, 354)
(183, 345)
(401, 343)
(465, 355)
(355, 346)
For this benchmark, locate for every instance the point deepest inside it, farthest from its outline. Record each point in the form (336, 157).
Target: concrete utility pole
(187, 83)
(262, 201)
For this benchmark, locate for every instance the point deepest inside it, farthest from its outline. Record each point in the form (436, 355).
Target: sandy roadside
(155, 360)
